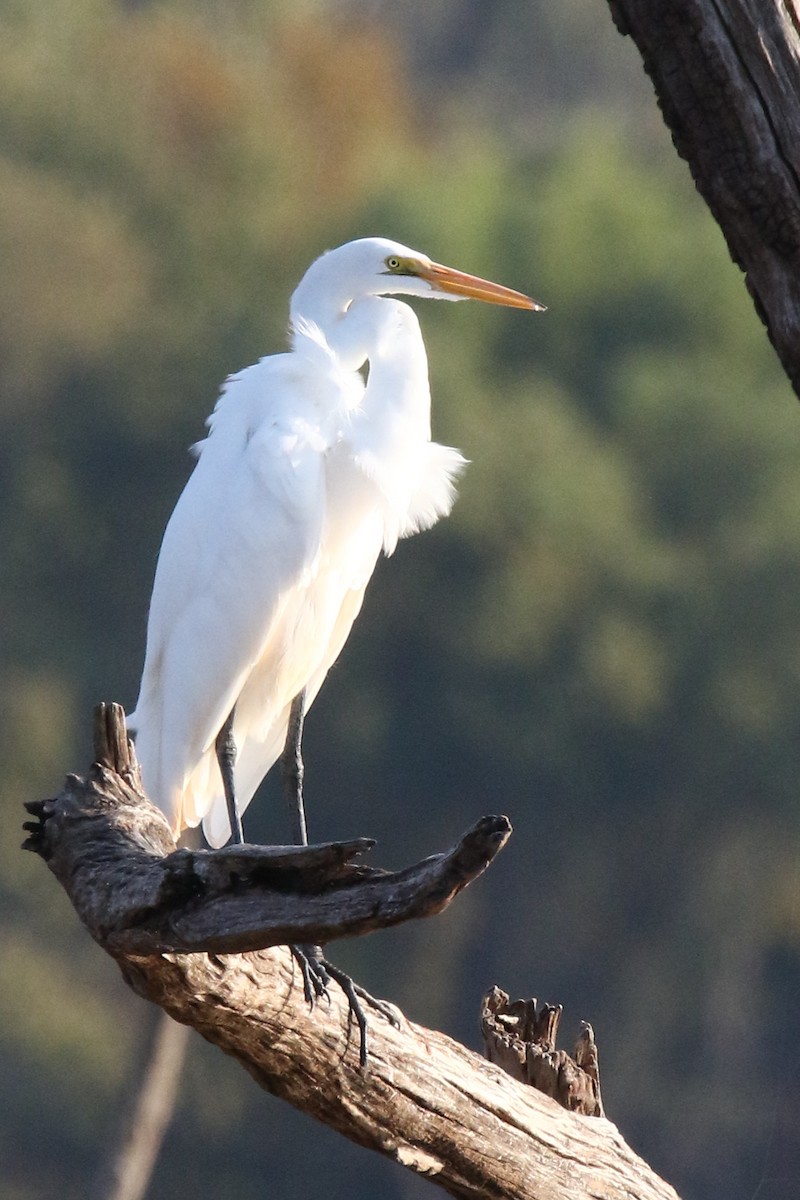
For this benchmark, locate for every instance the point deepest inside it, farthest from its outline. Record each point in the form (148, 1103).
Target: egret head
(379, 267)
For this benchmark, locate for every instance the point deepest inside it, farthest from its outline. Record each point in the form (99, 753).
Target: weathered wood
(423, 1099)
(727, 78)
(521, 1037)
(137, 894)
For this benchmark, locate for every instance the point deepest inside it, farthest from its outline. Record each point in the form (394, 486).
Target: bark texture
(727, 77)
(520, 1036)
(423, 1099)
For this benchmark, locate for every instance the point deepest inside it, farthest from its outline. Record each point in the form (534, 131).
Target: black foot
(315, 977)
(318, 972)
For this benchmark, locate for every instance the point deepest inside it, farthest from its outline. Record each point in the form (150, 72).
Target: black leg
(225, 747)
(308, 958)
(318, 971)
(292, 769)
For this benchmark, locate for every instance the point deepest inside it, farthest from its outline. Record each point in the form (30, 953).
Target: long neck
(326, 307)
(355, 328)
(374, 329)
(387, 334)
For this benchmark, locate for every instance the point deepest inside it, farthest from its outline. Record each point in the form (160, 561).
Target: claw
(315, 977)
(318, 971)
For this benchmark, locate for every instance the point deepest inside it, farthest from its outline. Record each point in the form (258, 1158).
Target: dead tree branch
(201, 934)
(520, 1036)
(727, 77)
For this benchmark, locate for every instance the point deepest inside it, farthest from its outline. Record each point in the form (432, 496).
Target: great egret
(306, 474)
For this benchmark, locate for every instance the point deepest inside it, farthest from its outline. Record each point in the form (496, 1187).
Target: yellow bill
(457, 283)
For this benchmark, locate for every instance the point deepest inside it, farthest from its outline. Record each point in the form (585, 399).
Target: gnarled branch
(172, 919)
(520, 1036)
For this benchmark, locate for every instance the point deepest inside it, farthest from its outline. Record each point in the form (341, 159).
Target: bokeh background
(602, 641)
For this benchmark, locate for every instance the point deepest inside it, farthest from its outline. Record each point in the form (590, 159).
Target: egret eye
(393, 262)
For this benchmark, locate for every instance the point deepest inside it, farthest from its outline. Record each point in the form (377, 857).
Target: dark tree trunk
(727, 77)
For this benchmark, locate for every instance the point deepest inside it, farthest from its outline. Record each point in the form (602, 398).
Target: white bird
(306, 474)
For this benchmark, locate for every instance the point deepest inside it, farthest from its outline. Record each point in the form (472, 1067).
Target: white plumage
(305, 475)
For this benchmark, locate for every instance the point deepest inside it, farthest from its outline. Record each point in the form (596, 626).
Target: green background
(602, 640)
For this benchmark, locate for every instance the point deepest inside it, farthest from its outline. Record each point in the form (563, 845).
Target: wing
(309, 630)
(244, 533)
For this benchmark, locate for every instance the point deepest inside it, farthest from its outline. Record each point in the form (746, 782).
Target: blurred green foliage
(601, 641)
